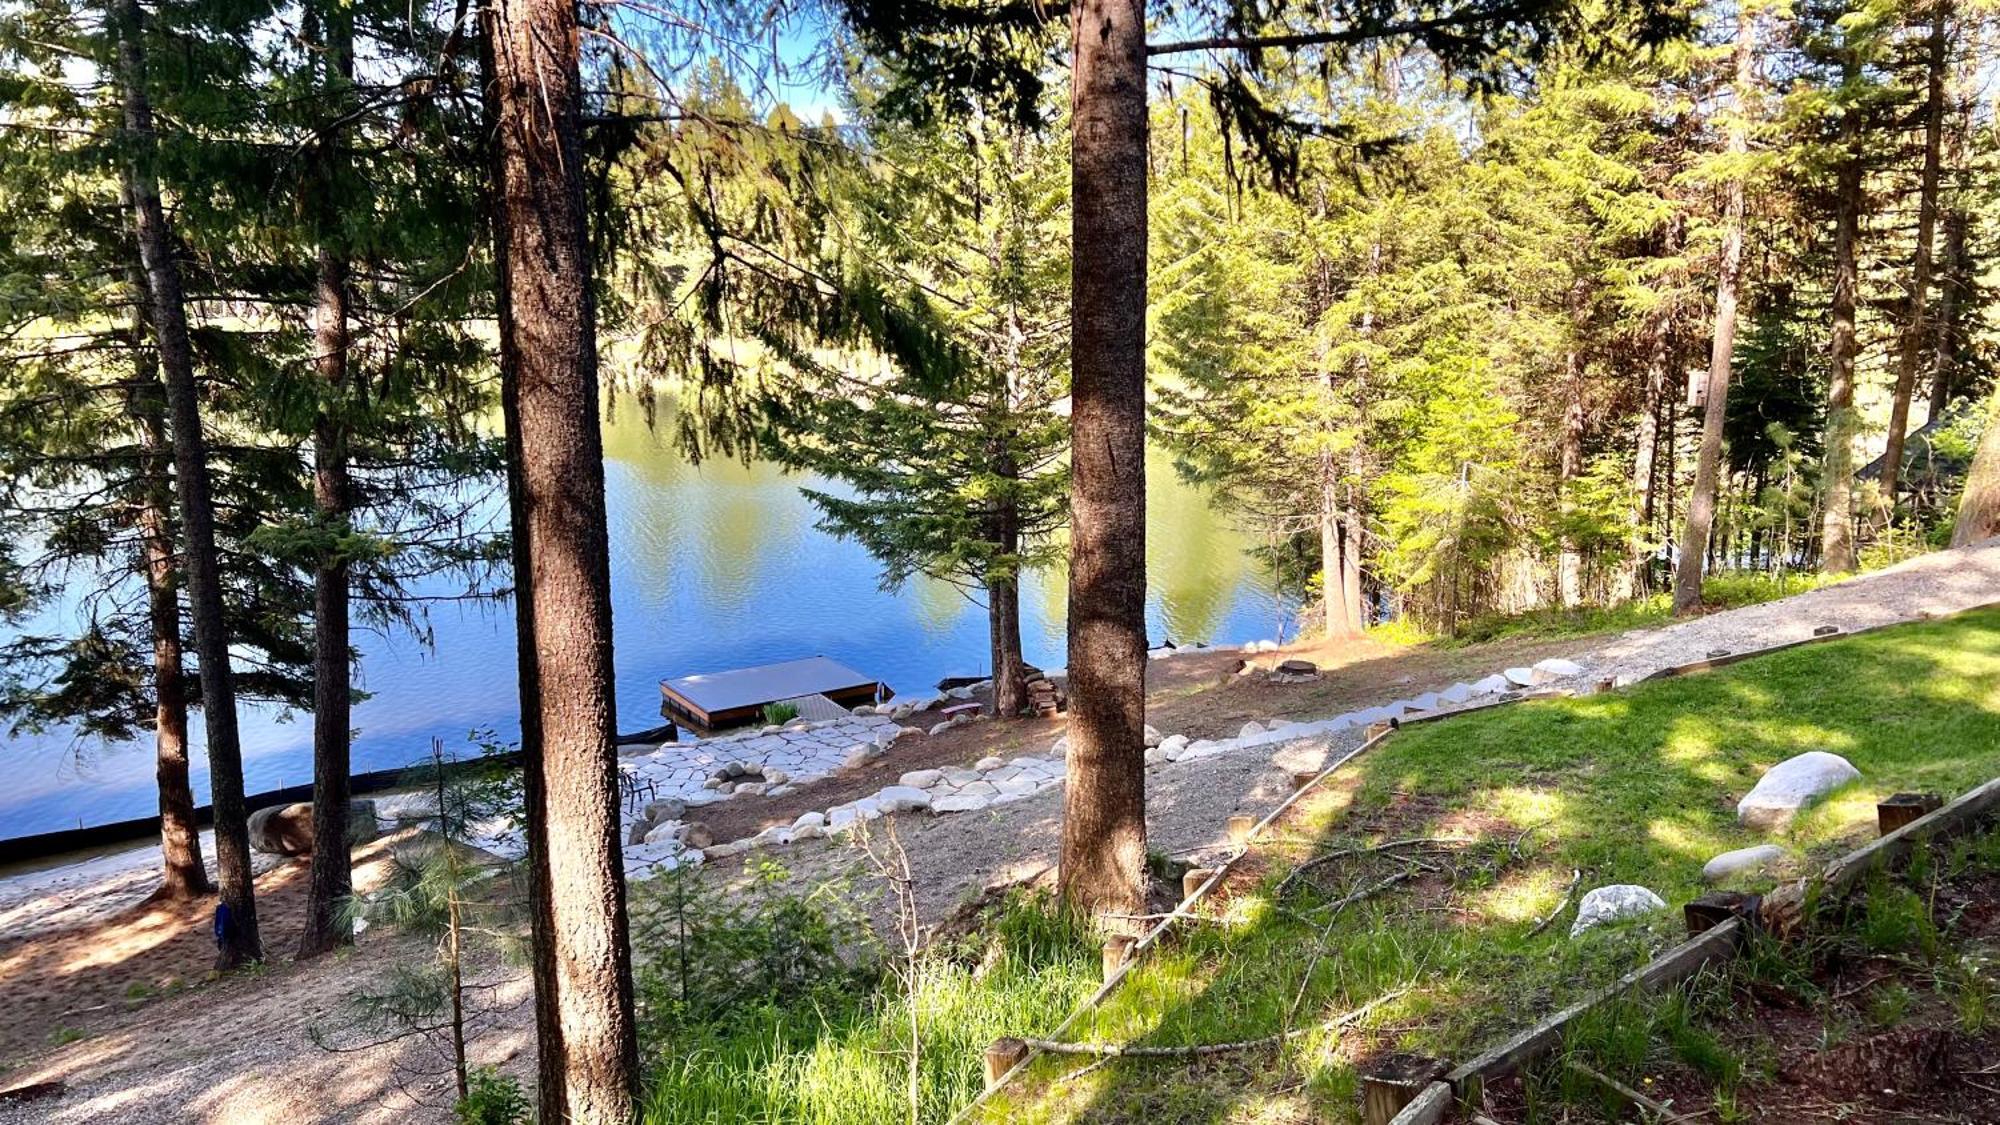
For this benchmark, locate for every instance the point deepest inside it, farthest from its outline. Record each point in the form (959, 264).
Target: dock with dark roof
(722, 699)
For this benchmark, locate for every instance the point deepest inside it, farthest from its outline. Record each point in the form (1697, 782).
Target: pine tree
(957, 471)
(582, 958)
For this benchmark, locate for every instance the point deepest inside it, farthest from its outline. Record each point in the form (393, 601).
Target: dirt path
(238, 1050)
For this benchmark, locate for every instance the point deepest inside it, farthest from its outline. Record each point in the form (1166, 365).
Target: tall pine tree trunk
(1708, 463)
(1003, 620)
(1103, 862)
(1837, 475)
(1911, 348)
(182, 874)
(1979, 508)
(1646, 453)
(1340, 599)
(238, 939)
(1945, 332)
(583, 971)
(1569, 569)
(331, 879)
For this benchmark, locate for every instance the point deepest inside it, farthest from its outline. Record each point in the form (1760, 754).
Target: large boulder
(1792, 785)
(288, 829)
(1608, 904)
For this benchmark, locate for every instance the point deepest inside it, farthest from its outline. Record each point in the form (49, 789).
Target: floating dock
(721, 699)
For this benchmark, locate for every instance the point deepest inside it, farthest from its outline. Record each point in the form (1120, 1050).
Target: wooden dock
(722, 699)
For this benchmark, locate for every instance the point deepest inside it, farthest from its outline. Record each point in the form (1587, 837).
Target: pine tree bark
(1979, 508)
(1953, 281)
(238, 940)
(182, 874)
(583, 971)
(1569, 569)
(1837, 473)
(1103, 860)
(1708, 463)
(1911, 346)
(1340, 600)
(331, 878)
(1646, 452)
(1003, 619)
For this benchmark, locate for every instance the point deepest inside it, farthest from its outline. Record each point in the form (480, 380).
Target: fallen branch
(1343, 853)
(1197, 1050)
(1575, 877)
(1659, 1110)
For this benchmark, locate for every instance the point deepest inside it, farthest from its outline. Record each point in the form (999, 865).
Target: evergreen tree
(957, 472)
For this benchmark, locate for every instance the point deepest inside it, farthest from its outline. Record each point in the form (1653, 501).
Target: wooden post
(1377, 730)
(1192, 879)
(1303, 778)
(1003, 1056)
(1239, 829)
(1711, 910)
(1894, 812)
(1117, 949)
(1394, 1082)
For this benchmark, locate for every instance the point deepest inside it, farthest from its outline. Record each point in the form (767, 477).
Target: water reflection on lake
(713, 567)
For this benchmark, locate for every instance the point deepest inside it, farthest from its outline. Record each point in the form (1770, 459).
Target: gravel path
(1927, 586)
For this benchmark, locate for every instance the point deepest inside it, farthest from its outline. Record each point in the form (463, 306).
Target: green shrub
(491, 1098)
(778, 714)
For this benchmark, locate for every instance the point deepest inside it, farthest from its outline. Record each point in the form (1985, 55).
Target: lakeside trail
(239, 1050)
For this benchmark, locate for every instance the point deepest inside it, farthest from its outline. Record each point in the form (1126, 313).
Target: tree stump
(1117, 951)
(1896, 811)
(1711, 910)
(1192, 879)
(1003, 1056)
(1393, 1082)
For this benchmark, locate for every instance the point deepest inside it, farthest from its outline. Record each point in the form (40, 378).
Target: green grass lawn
(1636, 786)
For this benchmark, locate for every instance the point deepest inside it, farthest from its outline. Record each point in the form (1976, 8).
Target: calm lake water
(713, 567)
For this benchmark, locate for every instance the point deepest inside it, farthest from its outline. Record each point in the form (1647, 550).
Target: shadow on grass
(1634, 787)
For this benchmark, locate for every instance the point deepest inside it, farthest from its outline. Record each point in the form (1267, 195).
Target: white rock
(959, 775)
(1172, 744)
(809, 820)
(775, 776)
(1428, 701)
(1490, 685)
(921, 779)
(1156, 756)
(988, 763)
(1153, 737)
(775, 836)
(942, 727)
(1520, 677)
(1456, 694)
(1608, 904)
(902, 798)
(959, 693)
(1060, 748)
(664, 833)
(1556, 668)
(724, 851)
(1018, 786)
(964, 802)
(1742, 861)
(808, 832)
(1792, 785)
(1252, 727)
(864, 710)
